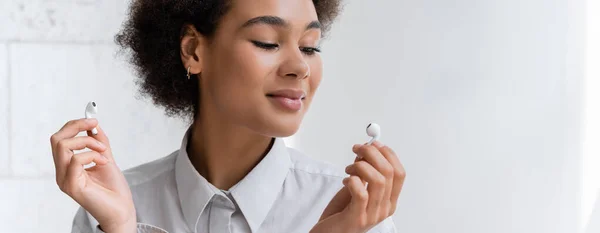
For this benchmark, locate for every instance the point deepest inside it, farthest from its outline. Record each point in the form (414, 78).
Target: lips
(288, 93)
(288, 99)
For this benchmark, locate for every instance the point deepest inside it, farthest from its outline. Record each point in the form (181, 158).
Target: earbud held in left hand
(374, 131)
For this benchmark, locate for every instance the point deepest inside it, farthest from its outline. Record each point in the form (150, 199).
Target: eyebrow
(277, 21)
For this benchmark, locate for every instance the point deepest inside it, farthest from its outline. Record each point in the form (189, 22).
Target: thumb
(360, 196)
(338, 203)
(101, 136)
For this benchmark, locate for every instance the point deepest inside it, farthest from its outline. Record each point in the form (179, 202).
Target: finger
(399, 175)
(373, 156)
(388, 209)
(342, 199)
(360, 196)
(375, 188)
(356, 159)
(65, 148)
(75, 170)
(101, 136)
(72, 128)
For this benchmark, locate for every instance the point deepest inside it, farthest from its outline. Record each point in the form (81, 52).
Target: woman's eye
(266, 46)
(310, 50)
(269, 46)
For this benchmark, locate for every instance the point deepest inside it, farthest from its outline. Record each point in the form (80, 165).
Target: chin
(281, 126)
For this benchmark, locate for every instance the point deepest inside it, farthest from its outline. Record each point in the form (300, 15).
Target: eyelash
(268, 46)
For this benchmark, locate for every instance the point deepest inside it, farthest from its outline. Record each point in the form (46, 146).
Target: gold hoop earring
(188, 72)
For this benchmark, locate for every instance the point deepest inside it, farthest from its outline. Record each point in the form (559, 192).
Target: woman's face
(262, 67)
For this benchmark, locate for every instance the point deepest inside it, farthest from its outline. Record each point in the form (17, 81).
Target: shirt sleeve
(85, 223)
(141, 228)
(385, 226)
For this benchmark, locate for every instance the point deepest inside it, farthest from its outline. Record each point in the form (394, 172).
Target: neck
(224, 153)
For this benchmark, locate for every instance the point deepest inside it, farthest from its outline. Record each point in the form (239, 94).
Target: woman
(245, 73)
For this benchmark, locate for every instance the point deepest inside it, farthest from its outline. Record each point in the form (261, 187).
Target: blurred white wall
(591, 122)
(480, 99)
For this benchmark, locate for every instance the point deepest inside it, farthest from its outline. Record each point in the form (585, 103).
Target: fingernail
(91, 120)
(377, 144)
(345, 180)
(101, 144)
(348, 168)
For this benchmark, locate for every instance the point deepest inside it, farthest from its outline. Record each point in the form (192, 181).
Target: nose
(294, 66)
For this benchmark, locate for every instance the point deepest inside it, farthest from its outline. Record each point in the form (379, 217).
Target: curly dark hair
(152, 35)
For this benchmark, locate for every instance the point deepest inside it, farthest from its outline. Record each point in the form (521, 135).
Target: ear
(193, 44)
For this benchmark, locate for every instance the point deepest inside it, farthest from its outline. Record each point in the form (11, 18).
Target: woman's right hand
(101, 190)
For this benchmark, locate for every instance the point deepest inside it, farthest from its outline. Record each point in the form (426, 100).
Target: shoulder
(306, 165)
(327, 176)
(149, 172)
(153, 175)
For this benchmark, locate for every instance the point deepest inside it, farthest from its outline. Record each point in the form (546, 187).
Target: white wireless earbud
(374, 131)
(90, 110)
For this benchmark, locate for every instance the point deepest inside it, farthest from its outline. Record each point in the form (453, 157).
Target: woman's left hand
(356, 209)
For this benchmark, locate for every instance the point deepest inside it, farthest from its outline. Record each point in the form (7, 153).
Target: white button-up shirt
(286, 192)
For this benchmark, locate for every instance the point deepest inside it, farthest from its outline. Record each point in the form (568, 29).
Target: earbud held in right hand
(90, 110)
(374, 131)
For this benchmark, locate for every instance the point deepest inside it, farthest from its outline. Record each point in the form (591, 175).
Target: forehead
(296, 12)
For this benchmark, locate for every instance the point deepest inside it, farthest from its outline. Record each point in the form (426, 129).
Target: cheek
(316, 74)
(237, 66)
(240, 75)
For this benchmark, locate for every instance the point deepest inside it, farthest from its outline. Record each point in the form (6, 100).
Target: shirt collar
(255, 194)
